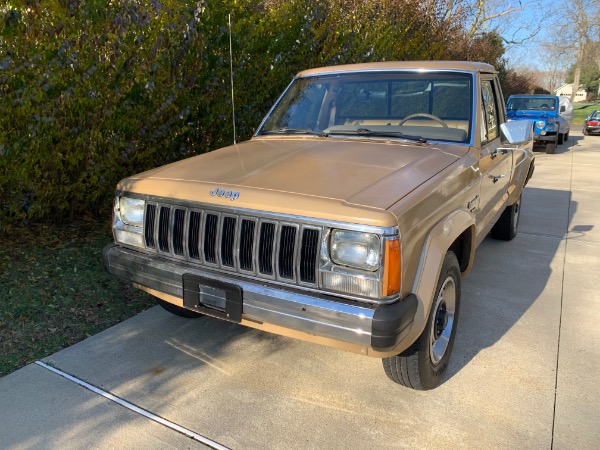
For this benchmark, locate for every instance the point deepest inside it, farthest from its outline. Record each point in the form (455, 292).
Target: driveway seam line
(132, 407)
(562, 294)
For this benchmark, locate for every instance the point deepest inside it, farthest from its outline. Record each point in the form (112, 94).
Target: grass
(580, 112)
(54, 291)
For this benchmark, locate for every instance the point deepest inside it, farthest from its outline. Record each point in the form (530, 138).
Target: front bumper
(370, 330)
(548, 137)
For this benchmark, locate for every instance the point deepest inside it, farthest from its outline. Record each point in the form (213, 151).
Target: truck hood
(300, 174)
(514, 114)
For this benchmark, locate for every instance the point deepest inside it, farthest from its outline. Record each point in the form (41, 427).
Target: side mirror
(563, 109)
(516, 132)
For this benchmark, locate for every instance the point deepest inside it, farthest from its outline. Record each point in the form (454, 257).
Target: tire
(423, 365)
(561, 138)
(567, 136)
(506, 227)
(178, 310)
(551, 148)
(585, 131)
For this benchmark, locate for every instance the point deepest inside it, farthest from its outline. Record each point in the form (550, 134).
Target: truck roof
(402, 65)
(534, 95)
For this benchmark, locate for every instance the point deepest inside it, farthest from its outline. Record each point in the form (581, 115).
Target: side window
(489, 113)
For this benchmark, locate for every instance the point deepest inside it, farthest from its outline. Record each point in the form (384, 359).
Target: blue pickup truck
(551, 117)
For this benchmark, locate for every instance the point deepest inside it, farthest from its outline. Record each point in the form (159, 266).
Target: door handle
(495, 178)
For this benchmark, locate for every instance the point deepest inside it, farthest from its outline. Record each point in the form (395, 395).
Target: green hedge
(94, 90)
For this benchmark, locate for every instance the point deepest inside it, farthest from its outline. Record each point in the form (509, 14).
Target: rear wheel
(506, 227)
(566, 136)
(178, 310)
(423, 365)
(561, 138)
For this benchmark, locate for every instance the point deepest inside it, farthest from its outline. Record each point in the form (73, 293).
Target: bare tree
(578, 31)
(558, 56)
(504, 17)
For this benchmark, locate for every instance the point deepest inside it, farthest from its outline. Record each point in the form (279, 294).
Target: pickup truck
(550, 115)
(347, 220)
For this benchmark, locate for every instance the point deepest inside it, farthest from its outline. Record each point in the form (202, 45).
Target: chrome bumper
(376, 331)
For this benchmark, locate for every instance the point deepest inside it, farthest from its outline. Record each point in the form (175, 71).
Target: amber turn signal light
(391, 268)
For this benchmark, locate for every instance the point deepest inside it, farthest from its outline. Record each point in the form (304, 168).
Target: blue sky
(539, 17)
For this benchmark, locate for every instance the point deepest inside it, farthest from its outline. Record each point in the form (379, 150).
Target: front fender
(437, 243)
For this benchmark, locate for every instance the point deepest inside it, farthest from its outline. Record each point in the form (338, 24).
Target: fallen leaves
(54, 291)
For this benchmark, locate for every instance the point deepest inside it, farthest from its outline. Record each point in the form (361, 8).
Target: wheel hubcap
(443, 320)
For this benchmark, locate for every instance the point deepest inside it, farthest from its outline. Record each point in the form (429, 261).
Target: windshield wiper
(286, 130)
(367, 132)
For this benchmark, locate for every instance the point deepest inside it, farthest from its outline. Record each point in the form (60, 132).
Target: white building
(567, 89)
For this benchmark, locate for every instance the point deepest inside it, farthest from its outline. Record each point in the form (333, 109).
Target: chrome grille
(233, 241)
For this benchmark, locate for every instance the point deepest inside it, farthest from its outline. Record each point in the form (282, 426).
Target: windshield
(531, 103)
(407, 105)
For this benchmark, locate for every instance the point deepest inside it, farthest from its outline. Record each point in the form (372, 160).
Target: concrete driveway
(524, 372)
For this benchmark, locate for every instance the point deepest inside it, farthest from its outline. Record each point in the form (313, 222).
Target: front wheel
(423, 365)
(506, 227)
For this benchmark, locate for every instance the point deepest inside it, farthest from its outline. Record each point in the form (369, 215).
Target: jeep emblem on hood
(218, 192)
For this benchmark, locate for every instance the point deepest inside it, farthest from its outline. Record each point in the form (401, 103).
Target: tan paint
(364, 181)
(439, 239)
(450, 190)
(400, 65)
(347, 180)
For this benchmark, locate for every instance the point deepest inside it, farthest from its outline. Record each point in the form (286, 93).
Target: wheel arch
(455, 232)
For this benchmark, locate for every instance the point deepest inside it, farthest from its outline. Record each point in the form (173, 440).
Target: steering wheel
(428, 116)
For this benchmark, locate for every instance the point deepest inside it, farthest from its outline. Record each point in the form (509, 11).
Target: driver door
(495, 169)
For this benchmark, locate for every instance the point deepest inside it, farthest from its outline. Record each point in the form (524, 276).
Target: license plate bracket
(213, 297)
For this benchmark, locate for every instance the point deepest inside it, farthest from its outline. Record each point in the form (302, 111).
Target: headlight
(362, 264)
(353, 249)
(128, 221)
(541, 124)
(132, 211)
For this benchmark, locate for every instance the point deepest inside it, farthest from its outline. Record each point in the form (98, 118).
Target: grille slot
(265, 248)
(163, 228)
(259, 246)
(210, 238)
(287, 244)
(194, 235)
(228, 241)
(247, 244)
(178, 224)
(149, 226)
(308, 255)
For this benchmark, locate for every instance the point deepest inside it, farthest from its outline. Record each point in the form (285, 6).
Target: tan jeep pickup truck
(347, 220)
